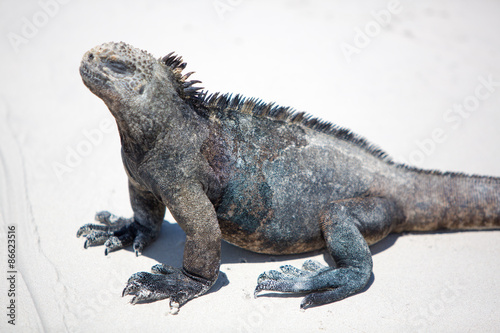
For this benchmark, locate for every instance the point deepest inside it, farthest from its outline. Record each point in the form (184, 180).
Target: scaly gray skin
(262, 177)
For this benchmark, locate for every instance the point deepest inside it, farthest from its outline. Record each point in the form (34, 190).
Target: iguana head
(117, 72)
(122, 75)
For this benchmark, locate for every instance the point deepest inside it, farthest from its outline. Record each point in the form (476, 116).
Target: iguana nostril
(91, 56)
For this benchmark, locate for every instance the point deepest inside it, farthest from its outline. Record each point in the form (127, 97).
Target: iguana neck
(142, 127)
(137, 135)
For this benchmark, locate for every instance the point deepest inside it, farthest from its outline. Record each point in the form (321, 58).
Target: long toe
(96, 238)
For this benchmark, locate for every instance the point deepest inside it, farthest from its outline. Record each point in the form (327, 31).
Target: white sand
(395, 91)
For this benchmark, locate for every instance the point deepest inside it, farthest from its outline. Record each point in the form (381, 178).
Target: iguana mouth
(93, 77)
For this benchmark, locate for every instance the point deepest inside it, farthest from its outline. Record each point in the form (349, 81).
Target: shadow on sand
(169, 248)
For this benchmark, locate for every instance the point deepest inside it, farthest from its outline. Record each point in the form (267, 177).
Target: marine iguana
(262, 177)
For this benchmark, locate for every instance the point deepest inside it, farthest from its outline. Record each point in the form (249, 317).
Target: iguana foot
(116, 232)
(166, 282)
(324, 284)
(289, 278)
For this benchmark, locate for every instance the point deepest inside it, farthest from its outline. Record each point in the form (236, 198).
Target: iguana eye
(118, 66)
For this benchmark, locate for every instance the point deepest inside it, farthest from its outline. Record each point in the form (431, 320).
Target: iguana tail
(434, 200)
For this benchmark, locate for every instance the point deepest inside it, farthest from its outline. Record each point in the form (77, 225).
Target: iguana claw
(165, 282)
(116, 233)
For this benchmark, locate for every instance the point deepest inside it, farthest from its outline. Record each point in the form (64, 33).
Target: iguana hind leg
(344, 224)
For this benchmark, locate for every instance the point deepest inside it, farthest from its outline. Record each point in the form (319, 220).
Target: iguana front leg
(196, 215)
(118, 232)
(345, 224)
